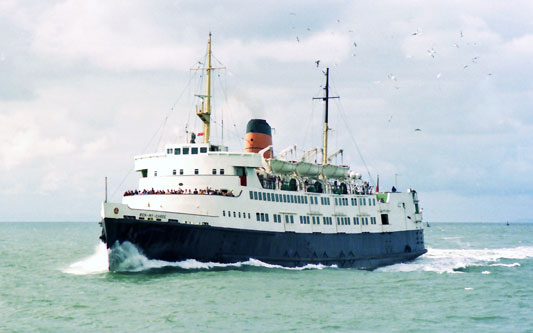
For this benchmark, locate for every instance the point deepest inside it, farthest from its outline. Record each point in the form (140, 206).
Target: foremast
(205, 111)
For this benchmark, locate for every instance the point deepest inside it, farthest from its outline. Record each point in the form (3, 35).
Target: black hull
(172, 242)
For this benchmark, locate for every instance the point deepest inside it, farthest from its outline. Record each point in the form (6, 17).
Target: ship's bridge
(195, 165)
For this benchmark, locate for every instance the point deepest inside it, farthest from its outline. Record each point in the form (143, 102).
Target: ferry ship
(198, 200)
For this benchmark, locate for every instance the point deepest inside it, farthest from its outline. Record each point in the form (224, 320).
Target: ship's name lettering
(157, 216)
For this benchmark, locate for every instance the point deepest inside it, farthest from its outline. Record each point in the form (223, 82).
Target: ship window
(374, 201)
(185, 151)
(266, 217)
(286, 218)
(194, 150)
(268, 197)
(275, 218)
(251, 195)
(221, 171)
(203, 150)
(177, 151)
(248, 216)
(195, 171)
(174, 172)
(255, 195)
(384, 218)
(169, 150)
(181, 171)
(292, 219)
(360, 201)
(239, 214)
(262, 217)
(257, 216)
(214, 171)
(155, 173)
(223, 213)
(234, 215)
(276, 197)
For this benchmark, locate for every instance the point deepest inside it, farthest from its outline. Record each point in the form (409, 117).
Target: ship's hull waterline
(171, 241)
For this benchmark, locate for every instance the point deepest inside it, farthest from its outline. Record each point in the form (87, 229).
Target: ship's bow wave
(126, 257)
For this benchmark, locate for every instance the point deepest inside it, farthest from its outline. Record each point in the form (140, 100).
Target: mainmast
(326, 99)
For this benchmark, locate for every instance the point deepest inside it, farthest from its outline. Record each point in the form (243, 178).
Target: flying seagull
(418, 130)
(354, 44)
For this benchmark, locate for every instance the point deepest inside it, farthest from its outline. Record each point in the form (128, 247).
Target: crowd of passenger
(206, 191)
(364, 188)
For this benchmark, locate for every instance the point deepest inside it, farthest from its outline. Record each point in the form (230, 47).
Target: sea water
(54, 277)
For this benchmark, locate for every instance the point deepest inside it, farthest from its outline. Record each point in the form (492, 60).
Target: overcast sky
(86, 85)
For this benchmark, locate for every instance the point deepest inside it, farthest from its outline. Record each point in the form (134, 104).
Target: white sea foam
(93, 264)
(452, 260)
(127, 258)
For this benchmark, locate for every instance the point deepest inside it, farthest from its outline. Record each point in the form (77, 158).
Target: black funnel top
(258, 126)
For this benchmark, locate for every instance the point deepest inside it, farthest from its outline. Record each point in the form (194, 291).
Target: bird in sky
(354, 44)
(474, 60)
(392, 77)
(465, 67)
(297, 39)
(461, 33)
(432, 52)
(418, 130)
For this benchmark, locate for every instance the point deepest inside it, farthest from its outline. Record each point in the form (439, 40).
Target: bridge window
(257, 216)
(194, 150)
(169, 150)
(203, 150)
(181, 171)
(214, 171)
(186, 151)
(177, 151)
(196, 171)
(155, 173)
(174, 172)
(221, 171)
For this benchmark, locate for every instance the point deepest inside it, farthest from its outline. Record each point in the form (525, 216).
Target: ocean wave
(456, 260)
(94, 264)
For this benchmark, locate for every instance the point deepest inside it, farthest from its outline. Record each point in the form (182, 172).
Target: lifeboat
(306, 169)
(335, 171)
(281, 167)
